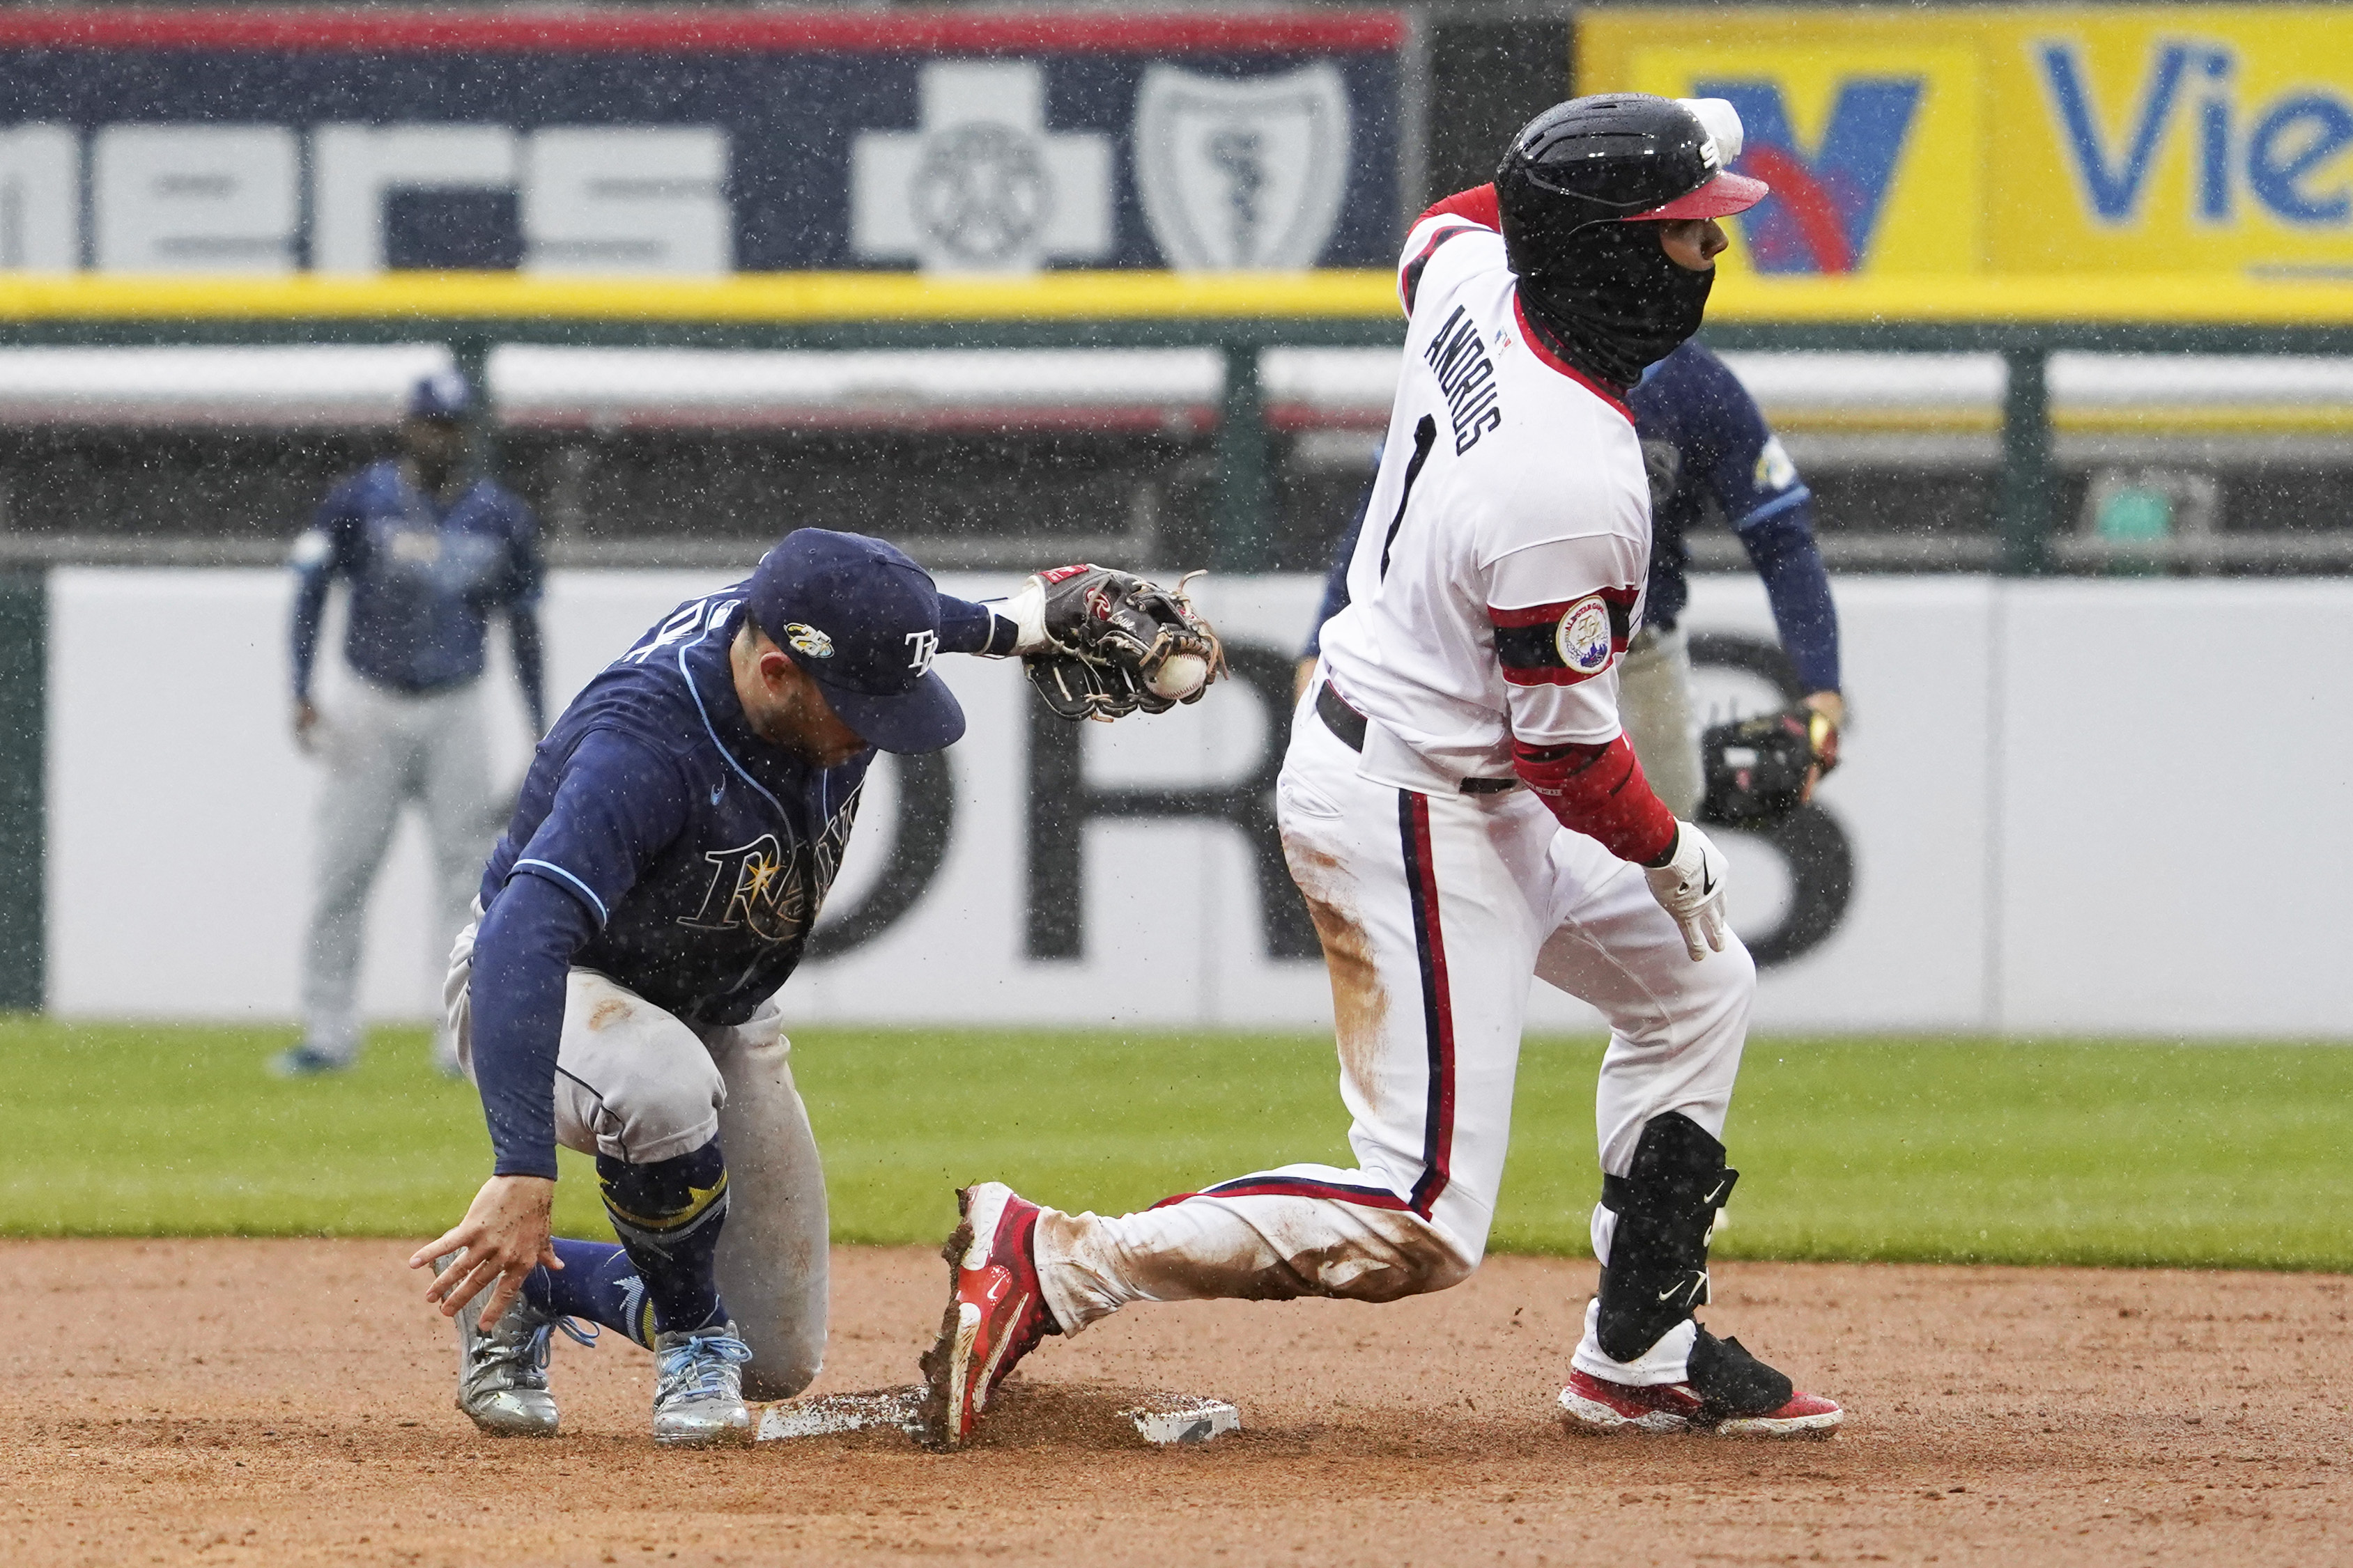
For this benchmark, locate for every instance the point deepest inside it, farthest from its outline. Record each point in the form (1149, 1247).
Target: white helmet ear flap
(1721, 120)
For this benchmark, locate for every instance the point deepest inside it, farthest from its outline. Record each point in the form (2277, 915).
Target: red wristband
(1601, 792)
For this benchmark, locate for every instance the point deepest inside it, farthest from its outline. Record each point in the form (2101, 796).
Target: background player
(673, 843)
(431, 551)
(1707, 447)
(1467, 717)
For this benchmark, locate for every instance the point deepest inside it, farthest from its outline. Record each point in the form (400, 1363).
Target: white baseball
(1179, 676)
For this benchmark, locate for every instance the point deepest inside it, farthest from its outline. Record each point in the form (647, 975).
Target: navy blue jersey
(700, 851)
(662, 843)
(1708, 448)
(424, 577)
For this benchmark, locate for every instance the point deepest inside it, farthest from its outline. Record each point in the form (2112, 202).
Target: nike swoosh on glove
(1690, 887)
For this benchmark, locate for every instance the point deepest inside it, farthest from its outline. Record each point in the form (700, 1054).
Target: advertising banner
(2001, 141)
(2010, 845)
(695, 144)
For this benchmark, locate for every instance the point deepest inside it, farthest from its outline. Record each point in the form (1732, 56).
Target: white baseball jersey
(1506, 547)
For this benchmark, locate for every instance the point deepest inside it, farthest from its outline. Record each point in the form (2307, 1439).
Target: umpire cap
(1624, 157)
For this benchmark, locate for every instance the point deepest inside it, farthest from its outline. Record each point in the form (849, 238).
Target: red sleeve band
(1478, 204)
(1564, 643)
(1472, 207)
(1599, 791)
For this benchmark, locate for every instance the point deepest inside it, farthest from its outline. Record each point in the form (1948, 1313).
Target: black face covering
(1617, 302)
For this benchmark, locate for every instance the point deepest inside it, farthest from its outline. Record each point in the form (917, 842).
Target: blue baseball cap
(863, 621)
(444, 394)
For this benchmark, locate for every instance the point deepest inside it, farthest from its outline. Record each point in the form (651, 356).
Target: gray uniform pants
(1654, 704)
(382, 749)
(636, 1083)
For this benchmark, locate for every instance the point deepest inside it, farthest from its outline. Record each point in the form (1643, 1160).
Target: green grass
(1956, 1150)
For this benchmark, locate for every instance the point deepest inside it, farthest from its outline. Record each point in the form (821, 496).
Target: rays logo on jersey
(775, 889)
(1466, 378)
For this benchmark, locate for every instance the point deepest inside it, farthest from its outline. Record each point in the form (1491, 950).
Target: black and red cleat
(996, 1314)
(1727, 1393)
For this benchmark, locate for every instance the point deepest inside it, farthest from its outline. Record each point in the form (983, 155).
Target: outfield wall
(2070, 806)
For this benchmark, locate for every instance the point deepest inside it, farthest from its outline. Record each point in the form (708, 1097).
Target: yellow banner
(748, 297)
(2178, 140)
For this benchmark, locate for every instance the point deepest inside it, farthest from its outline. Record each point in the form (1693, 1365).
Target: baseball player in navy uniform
(1461, 810)
(431, 552)
(673, 845)
(1710, 455)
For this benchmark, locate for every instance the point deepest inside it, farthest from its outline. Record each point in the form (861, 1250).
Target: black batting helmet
(1623, 157)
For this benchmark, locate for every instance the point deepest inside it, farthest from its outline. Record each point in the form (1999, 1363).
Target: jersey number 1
(1425, 436)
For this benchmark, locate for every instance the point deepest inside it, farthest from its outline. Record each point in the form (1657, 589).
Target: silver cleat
(700, 1396)
(502, 1371)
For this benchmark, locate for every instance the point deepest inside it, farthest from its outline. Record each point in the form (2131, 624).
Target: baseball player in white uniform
(1462, 809)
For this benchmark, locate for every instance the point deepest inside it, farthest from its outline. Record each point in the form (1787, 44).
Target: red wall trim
(704, 32)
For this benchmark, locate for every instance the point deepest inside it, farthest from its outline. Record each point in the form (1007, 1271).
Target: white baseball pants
(1434, 910)
(637, 1082)
(382, 749)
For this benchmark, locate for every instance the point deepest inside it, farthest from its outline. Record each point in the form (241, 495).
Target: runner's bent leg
(1428, 906)
(1677, 1032)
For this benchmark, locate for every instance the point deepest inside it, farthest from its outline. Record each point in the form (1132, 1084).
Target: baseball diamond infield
(280, 1402)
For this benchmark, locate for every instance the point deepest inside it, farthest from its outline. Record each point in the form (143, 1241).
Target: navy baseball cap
(863, 621)
(444, 394)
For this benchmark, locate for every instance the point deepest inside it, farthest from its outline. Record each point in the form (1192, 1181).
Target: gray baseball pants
(1654, 704)
(635, 1081)
(383, 749)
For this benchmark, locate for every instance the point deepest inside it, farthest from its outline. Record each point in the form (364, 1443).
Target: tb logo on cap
(921, 649)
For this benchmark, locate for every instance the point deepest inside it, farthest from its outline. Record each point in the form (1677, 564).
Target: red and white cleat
(1728, 1393)
(995, 1312)
(1592, 1404)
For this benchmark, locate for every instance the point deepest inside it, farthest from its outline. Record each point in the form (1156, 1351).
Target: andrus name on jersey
(1466, 377)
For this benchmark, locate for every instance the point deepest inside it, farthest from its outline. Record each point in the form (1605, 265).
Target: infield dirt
(280, 1402)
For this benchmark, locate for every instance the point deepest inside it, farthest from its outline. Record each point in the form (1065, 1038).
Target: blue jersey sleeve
(1728, 446)
(968, 627)
(616, 806)
(1783, 550)
(530, 580)
(320, 555)
(1757, 487)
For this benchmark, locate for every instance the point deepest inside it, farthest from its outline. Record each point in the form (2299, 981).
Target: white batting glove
(1690, 887)
(1027, 610)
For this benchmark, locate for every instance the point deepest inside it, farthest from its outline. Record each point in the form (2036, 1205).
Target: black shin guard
(1665, 1206)
(669, 1214)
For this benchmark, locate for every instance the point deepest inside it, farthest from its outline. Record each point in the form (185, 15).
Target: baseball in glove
(1109, 642)
(1760, 770)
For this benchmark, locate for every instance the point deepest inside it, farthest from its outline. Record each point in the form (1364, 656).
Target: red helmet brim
(1721, 197)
